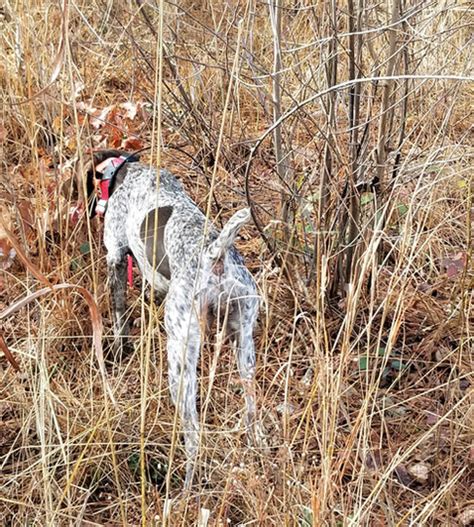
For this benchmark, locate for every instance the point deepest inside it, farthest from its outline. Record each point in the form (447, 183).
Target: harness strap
(130, 270)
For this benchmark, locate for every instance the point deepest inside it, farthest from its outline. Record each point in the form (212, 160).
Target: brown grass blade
(58, 61)
(21, 254)
(8, 354)
(97, 326)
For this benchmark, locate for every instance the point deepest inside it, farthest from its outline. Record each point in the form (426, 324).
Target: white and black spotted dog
(182, 256)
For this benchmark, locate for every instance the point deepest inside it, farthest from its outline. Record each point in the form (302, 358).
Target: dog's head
(73, 189)
(92, 174)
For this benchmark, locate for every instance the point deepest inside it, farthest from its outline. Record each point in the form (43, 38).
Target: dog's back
(164, 229)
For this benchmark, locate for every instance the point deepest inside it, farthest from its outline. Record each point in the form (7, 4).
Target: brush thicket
(362, 249)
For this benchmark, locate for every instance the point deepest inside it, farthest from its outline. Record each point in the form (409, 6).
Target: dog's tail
(226, 238)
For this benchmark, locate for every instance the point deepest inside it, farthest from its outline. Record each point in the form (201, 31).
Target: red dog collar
(108, 169)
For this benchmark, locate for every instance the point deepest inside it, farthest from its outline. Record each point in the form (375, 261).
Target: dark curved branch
(300, 105)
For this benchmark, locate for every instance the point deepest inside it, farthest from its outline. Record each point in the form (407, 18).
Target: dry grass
(365, 337)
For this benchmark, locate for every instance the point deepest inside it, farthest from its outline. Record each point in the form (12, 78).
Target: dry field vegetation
(347, 126)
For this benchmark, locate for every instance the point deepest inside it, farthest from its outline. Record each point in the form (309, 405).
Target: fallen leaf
(58, 124)
(130, 109)
(420, 472)
(307, 379)
(100, 116)
(374, 459)
(455, 264)
(86, 108)
(78, 88)
(115, 136)
(285, 408)
(131, 143)
(432, 418)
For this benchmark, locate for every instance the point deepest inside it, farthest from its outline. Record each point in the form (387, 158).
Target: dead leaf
(432, 418)
(374, 459)
(455, 265)
(57, 124)
(131, 143)
(99, 118)
(420, 472)
(78, 88)
(130, 109)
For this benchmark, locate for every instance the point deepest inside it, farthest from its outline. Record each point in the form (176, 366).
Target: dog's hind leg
(183, 330)
(240, 324)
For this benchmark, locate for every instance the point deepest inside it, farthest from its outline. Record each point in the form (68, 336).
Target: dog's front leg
(117, 266)
(183, 346)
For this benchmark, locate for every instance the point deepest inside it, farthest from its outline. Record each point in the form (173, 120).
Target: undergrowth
(361, 247)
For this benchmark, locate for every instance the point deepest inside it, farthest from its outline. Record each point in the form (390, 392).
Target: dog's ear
(72, 187)
(90, 198)
(69, 190)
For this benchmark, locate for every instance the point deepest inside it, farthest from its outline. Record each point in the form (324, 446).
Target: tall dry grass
(347, 126)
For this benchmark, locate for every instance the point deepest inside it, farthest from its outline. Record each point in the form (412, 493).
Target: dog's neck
(109, 167)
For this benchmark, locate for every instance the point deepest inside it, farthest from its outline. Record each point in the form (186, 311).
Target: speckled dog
(185, 258)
